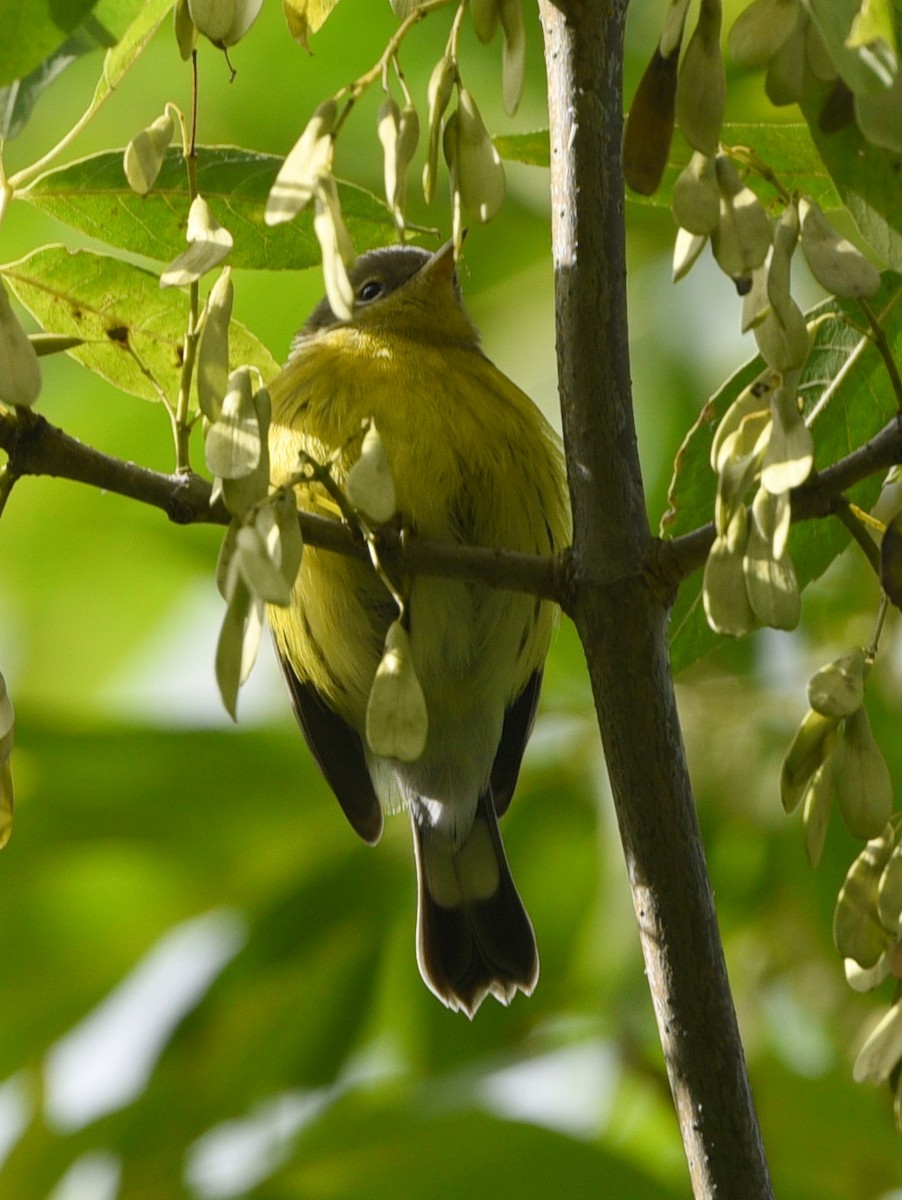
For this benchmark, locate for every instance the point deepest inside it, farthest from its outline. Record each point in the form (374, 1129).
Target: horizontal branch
(35, 447)
(673, 560)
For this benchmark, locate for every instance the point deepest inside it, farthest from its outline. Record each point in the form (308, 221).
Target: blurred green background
(207, 983)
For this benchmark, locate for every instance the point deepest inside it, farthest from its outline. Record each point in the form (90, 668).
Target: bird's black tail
(474, 936)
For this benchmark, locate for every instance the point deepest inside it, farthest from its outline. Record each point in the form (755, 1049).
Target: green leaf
(92, 196)
(134, 331)
(530, 148)
(847, 399)
(867, 179)
(786, 149)
(33, 29)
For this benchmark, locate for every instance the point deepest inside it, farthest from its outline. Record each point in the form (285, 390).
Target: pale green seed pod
(701, 83)
(225, 575)
(213, 347)
(760, 31)
(649, 124)
(786, 236)
(784, 345)
(283, 506)
(865, 979)
(144, 154)
(771, 519)
(740, 460)
(857, 931)
(724, 593)
(336, 248)
(672, 29)
(485, 14)
(239, 642)
(208, 244)
(480, 172)
(438, 93)
(817, 799)
(224, 22)
(889, 894)
(879, 116)
(399, 132)
(751, 401)
(308, 160)
(185, 30)
(7, 802)
(241, 494)
(513, 54)
(259, 568)
(770, 578)
(687, 248)
(20, 371)
(837, 689)
(369, 485)
(233, 443)
(835, 263)
(755, 302)
(7, 722)
(789, 457)
(397, 722)
(806, 752)
(696, 199)
(743, 234)
(784, 81)
(880, 1054)
(863, 785)
(387, 121)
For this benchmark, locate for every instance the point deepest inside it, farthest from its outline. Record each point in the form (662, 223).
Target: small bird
(473, 463)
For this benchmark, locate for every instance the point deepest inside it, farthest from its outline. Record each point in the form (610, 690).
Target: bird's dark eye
(369, 291)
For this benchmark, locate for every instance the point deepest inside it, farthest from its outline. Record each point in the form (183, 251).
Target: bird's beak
(441, 267)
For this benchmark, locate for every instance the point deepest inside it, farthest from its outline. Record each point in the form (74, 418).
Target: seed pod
(399, 131)
(784, 81)
(770, 578)
(232, 445)
(879, 116)
(889, 894)
(701, 85)
(806, 752)
(740, 460)
(790, 452)
(784, 345)
(241, 494)
(225, 576)
(696, 200)
(686, 249)
(441, 84)
(7, 722)
(308, 160)
(672, 29)
(891, 560)
(513, 54)
(45, 344)
(208, 244)
(239, 641)
(865, 979)
(755, 302)
(20, 371)
(742, 237)
(835, 263)
(751, 400)
(185, 31)
(336, 248)
(880, 1054)
(817, 798)
(786, 236)
(485, 14)
(284, 510)
(863, 786)
(857, 931)
(397, 722)
(369, 485)
(213, 347)
(724, 592)
(258, 569)
(145, 153)
(224, 22)
(837, 690)
(478, 165)
(760, 30)
(649, 124)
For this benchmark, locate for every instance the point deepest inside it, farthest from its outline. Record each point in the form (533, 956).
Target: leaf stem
(883, 347)
(181, 422)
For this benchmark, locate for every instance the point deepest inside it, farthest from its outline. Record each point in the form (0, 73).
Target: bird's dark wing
(338, 752)
(514, 735)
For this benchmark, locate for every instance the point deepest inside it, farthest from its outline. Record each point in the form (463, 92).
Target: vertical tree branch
(621, 624)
